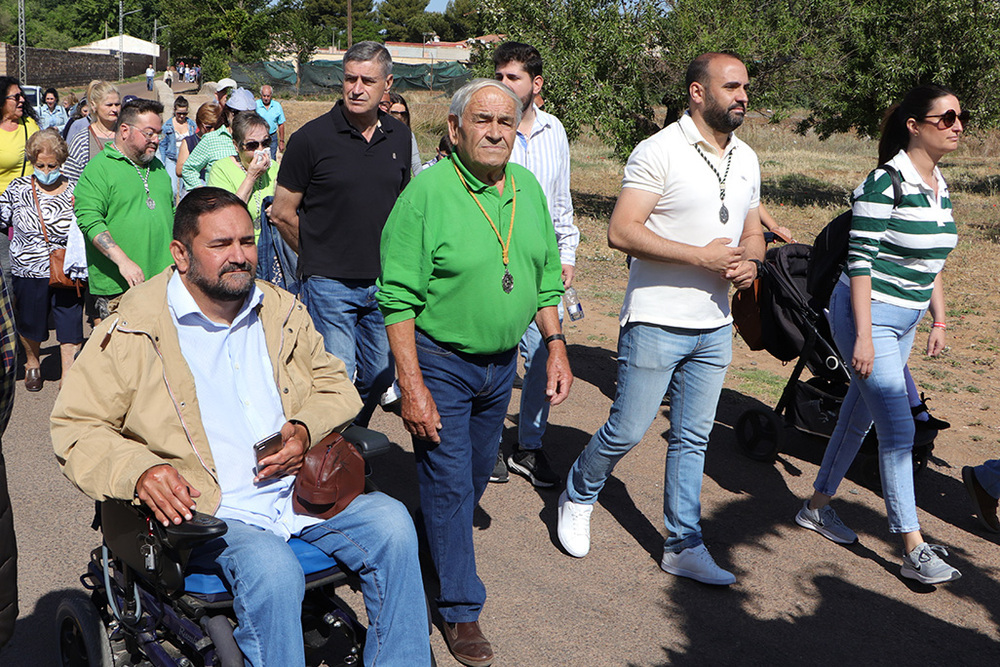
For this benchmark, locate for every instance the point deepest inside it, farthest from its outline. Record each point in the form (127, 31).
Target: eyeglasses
(948, 118)
(149, 134)
(254, 145)
(16, 97)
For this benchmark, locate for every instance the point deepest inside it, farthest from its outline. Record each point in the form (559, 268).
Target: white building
(129, 45)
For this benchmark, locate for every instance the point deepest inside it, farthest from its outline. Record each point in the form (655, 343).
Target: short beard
(145, 158)
(217, 289)
(721, 120)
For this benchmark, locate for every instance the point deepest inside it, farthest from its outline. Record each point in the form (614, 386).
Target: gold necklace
(507, 282)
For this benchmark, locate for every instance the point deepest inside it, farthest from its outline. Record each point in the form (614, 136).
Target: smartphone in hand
(269, 445)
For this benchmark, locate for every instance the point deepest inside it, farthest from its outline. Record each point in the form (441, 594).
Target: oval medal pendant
(150, 204)
(508, 281)
(724, 214)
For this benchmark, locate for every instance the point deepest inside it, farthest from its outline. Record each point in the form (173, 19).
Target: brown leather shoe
(984, 504)
(467, 643)
(33, 379)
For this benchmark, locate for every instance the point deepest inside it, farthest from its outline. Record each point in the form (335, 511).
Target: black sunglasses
(948, 118)
(254, 145)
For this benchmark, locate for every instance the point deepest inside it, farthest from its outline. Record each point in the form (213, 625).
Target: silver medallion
(724, 214)
(508, 281)
(150, 204)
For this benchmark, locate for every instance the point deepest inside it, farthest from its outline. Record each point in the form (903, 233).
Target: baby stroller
(793, 326)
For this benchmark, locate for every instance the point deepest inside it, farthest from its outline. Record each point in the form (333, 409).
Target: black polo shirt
(349, 185)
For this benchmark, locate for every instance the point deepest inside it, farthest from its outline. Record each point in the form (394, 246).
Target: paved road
(798, 597)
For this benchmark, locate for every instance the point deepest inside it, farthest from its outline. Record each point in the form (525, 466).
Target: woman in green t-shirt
(250, 173)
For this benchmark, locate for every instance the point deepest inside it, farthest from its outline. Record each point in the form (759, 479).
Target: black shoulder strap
(897, 184)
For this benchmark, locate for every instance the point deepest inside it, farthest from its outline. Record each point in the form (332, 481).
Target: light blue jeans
(346, 314)
(171, 166)
(534, 415)
(882, 397)
(373, 537)
(689, 363)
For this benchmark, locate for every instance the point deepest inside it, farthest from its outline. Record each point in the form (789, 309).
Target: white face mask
(48, 178)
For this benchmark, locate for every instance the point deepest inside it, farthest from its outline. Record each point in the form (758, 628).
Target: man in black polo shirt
(338, 181)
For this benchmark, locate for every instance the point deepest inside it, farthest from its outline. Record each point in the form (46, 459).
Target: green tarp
(327, 76)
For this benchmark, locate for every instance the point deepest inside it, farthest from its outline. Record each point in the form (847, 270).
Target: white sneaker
(696, 563)
(574, 526)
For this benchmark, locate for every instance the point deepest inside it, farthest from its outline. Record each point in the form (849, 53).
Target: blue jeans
(472, 393)
(881, 396)
(346, 314)
(171, 166)
(373, 537)
(689, 363)
(274, 145)
(988, 475)
(534, 414)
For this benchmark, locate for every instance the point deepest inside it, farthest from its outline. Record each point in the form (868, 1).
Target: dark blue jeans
(346, 314)
(472, 393)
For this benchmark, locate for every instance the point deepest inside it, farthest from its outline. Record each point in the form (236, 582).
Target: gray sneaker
(925, 565)
(825, 522)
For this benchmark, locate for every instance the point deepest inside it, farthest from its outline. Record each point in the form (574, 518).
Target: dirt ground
(798, 598)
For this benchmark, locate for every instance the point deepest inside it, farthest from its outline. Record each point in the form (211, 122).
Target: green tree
(398, 18)
(332, 15)
(464, 19)
(600, 61)
(237, 30)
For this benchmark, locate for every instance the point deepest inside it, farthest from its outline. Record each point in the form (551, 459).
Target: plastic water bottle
(573, 306)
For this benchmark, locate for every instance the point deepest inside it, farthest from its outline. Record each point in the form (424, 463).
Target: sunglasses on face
(16, 97)
(254, 145)
(948, 118)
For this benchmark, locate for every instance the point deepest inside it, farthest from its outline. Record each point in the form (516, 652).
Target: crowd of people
(427, 281)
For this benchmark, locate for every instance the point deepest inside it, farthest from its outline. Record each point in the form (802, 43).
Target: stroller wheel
(759, 434)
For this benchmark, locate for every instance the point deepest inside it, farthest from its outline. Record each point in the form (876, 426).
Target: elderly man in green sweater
(124, 205)
(469, 257)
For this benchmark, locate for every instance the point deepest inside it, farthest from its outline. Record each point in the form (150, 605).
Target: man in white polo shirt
(687, 214)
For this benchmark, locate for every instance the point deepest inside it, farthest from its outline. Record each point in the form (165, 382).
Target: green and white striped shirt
(902, 248)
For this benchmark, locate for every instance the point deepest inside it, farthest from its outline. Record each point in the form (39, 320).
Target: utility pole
(22, 46)
(350, 24)
(121, 40)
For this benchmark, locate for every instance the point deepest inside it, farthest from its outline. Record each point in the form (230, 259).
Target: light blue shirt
(239, 405)
(56, 118)
(273, 114)
(545, 153)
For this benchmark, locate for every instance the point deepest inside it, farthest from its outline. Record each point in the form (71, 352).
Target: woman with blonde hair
(105, 104)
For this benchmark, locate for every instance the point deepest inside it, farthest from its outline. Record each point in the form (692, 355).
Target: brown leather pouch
(332, 475)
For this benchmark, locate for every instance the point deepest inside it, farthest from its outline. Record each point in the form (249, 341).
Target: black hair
(697, 71)
(6, 82)
(915, 104)
(197, 203)
(445, 145)
(396, 98)
(181, 101)
(135, 108)
(53, 91)
(526, 54)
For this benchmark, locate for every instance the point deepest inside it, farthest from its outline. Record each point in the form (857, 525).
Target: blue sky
(436, 5)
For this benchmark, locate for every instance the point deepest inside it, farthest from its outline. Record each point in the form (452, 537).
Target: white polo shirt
(681, 295)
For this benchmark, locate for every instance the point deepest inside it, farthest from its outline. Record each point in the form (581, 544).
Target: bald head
(265, 94)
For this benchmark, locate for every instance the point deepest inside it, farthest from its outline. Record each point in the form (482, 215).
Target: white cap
(225, 83)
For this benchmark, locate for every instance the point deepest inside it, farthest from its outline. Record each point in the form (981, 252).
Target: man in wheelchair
(163, 408)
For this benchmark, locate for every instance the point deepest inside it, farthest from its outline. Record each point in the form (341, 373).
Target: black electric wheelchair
(145, 610)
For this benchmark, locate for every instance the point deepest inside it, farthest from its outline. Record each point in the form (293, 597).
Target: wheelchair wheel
(759, 434)
(83, 638)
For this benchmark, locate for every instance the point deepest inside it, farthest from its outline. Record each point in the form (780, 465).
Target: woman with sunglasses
(250, 173)
(892, 277)
(175, 130)
(17, 123)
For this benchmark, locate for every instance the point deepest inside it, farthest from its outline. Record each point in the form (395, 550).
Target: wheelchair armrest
(201, 528)
(370, 443)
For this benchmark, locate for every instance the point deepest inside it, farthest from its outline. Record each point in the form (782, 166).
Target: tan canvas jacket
(129, 401)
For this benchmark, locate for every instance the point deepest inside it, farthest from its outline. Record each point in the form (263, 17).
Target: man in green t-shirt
(469, 258)
(124, 206)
